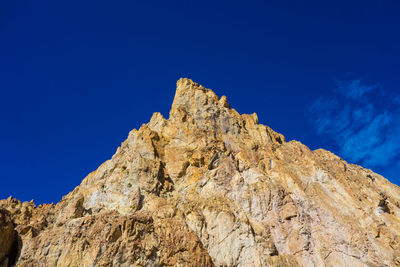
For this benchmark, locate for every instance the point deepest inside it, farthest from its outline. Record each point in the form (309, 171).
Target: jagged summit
(210, 187)
(193, 96)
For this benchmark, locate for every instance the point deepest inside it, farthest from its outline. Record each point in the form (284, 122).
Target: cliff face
(210, 187)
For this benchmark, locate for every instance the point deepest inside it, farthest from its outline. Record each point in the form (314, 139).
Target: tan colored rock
(7, 237)
(211, 187)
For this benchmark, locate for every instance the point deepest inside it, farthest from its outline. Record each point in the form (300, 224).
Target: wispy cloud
(363, 120)
(355, 89)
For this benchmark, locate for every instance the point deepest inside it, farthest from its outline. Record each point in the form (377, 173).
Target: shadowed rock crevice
(383, 203)
(15, 250)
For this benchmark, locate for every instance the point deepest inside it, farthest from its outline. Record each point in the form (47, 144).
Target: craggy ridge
(210, 187)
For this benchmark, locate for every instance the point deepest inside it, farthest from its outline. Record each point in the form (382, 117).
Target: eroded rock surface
(211, 187)
(7, 237)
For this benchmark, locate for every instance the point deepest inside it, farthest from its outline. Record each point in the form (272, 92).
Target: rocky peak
(210, 187)
(194, 98)
(193, 102)
(201, 108)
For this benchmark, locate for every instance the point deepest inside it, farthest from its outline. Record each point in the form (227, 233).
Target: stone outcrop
(7, 237)
(210, 187)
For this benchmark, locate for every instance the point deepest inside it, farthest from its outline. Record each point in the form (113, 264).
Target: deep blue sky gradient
(77, 76)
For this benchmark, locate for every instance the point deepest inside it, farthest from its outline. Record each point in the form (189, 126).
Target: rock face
(210, 187)
(7, 237)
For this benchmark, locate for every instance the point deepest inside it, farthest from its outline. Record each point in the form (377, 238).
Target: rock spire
(210, 187)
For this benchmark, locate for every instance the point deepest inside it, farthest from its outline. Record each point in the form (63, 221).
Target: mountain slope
(211, 187)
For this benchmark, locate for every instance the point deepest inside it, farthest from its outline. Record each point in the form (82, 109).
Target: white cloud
(367, 133)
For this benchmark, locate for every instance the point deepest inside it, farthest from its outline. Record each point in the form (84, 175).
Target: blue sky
(77, 76)
(363, 120)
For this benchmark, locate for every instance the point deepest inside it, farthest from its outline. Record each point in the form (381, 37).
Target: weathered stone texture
(211, 187)
(7, 237)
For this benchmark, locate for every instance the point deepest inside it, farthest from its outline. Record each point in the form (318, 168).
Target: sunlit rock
(211, 187)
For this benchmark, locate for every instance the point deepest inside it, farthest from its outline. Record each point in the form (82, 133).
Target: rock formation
(210, 187)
